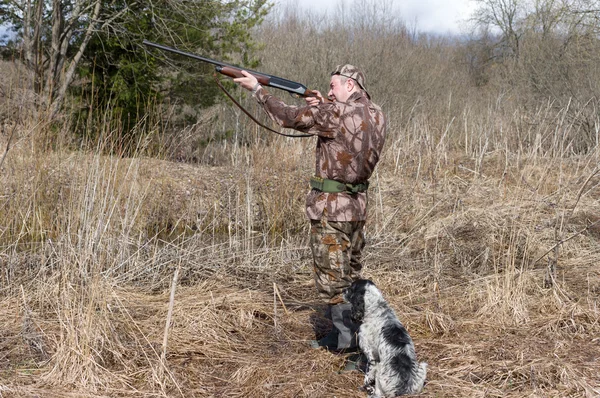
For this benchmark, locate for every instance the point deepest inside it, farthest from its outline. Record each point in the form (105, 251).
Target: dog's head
(355, 295)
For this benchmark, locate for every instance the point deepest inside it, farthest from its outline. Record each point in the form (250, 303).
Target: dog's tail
(419, 378)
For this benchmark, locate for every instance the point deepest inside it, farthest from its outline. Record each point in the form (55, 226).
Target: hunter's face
(338, 89)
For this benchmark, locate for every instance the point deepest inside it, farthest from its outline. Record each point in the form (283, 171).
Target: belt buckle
(317, 182)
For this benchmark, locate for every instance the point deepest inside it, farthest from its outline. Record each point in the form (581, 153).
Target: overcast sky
(435, 16)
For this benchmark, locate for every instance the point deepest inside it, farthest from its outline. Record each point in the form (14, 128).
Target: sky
(431, 16)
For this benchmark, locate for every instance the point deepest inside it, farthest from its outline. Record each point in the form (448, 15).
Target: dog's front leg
(372, 389)
(370, 374)
(366, 345)
(369, 383)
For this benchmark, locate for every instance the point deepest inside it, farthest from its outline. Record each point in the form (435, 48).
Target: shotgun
(233, 71)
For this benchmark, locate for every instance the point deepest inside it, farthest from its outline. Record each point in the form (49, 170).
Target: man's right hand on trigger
(314, 101)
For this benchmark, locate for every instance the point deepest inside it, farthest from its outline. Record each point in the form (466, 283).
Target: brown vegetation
(148, 277)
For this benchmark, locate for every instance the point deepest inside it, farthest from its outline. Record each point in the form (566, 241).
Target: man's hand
(248, 81)
(314, 101)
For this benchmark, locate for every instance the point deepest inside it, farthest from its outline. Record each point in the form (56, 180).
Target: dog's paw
(369, 389)
(368, 386)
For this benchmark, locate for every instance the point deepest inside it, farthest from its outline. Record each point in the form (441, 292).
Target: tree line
(91, 49)
(89, 52)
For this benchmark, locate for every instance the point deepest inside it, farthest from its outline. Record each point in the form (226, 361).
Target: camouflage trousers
(337, 249)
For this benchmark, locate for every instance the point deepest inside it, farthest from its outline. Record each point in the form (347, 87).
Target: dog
(392, 368)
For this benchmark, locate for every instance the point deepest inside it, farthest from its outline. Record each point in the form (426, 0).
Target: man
(350, 134)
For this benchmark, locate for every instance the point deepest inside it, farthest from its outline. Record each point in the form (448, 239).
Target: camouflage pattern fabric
(352, 72)
(350, 137)
(336, 248)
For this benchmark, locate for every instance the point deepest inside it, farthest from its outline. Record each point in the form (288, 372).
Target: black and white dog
(393, 368)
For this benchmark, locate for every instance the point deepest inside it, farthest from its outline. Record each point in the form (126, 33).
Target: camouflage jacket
(350, 137)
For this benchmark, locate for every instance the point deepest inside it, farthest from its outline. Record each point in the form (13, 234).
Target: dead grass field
(90, 246)
(139, 277)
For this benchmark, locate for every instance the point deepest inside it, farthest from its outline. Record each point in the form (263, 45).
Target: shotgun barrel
(233, 71)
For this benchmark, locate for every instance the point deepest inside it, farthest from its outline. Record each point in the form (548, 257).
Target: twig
(276, 289)
(580, 193)
(275, 308)
(12, 133)
(275, 316)
(163, 356)
(565, 240)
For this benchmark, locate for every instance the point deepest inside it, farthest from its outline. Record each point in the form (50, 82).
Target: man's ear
(350, 84)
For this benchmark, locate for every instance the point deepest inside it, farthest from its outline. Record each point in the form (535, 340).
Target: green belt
(333, 186)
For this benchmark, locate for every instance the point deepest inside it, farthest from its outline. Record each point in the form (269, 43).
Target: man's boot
(344, 334)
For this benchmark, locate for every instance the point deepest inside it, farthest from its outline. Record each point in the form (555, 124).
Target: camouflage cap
(352, 72)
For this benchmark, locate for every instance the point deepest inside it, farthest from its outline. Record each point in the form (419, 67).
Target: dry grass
(129, 277)
(90, 245)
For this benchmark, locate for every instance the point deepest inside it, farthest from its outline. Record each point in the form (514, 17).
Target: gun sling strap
(333, 186)
(252, 117)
